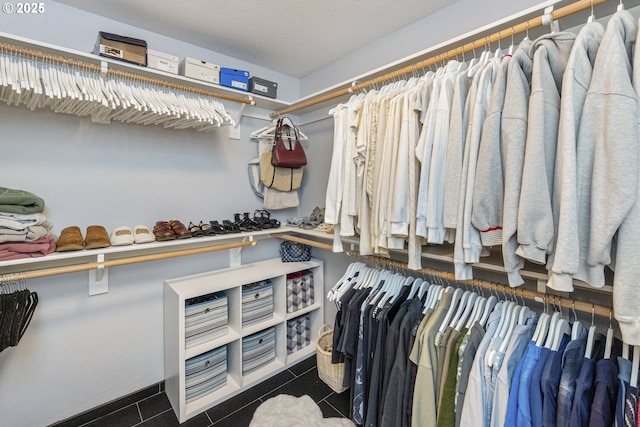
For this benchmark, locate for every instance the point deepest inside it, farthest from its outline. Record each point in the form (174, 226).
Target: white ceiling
(294, 37)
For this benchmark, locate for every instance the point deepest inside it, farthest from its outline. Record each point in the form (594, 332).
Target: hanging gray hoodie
(486, 215)
(569, 257)
(515, 113)
(610, 120)
(535, 216)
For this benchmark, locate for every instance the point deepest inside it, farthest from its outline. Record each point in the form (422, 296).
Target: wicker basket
(331, 373)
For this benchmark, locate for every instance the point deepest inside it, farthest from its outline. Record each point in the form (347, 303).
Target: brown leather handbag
(289, 154)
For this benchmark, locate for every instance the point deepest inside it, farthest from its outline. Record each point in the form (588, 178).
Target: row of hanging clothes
(17, 307)
(531, 149)
(47, 83)
(420, 352)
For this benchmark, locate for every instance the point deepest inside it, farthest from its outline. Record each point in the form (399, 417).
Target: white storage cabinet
(230, 281)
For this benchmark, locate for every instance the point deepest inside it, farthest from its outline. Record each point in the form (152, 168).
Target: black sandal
(261, 220)
(250, 223)
(230, 227)
(195, 230)
(217, 228)
(207, 229)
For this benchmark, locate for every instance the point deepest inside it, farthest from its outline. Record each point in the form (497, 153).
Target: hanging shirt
(424, 395)
(446, 407)
(571, 365)
(550, 382)
(512, 404)
(583, 398)
(474, 401)
(604, 398)
(466, 354)
(624, 377)
(518, 342)
(536, 397)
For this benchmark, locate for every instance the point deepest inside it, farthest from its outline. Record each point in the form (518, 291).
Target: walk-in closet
(277, 213)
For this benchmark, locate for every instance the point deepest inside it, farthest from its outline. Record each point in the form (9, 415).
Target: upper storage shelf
(172, 80)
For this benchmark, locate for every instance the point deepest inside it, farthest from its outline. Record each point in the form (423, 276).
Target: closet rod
(493, 286)
(305, 241)
(560, 13)
(45, 57)
(35, 274)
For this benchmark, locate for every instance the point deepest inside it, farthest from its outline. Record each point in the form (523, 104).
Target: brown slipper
(70, 240)
(97, 237)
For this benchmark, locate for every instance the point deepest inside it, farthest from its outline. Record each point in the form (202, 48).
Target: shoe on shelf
(179, 229)
(251, 224)
(70, 240)
(121, 236)
(207, 229)
(195, 230)
(217, 227)
(316, 218)
(142, 234)
(230, 227)
(163, 231)
(96, 237)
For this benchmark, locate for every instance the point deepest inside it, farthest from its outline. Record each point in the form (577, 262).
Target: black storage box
(263, 87)
(123, 48)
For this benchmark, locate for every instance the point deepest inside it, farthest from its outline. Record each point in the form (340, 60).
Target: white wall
(455, 20)
(81, 351)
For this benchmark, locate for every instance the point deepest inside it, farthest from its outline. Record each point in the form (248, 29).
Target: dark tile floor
(150, 407)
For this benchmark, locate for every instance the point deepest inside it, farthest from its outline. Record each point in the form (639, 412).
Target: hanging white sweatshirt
(405, 192)
(455, 150)
(333, 200)
(488, 193)
(515, 114)
(424, 149)
(535, 216)
(435, 192)
(613, 112)
(570, 206)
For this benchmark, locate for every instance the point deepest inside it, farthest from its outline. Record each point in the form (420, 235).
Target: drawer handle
(206, 364)
(260, 341)
(257, 296)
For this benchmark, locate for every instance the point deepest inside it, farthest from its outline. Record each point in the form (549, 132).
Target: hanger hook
(527, 33)
(593, 314)
(573, 308)
(610, 318)
(512, 36)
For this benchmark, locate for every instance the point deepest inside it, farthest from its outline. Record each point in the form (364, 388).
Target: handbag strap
(278, 135)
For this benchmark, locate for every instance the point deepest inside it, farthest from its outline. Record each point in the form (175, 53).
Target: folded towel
(17, 250)
(20, 221)
(30, 234)
(19, 201)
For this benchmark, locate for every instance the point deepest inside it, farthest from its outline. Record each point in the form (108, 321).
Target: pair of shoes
(71, 239)
(201, 229)
(245, 223)
(315, 219)
(122, 236)
(263, 218)
(227, 227)
(170, 230)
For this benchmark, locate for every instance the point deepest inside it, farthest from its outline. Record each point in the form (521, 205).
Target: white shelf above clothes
(166, 87)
